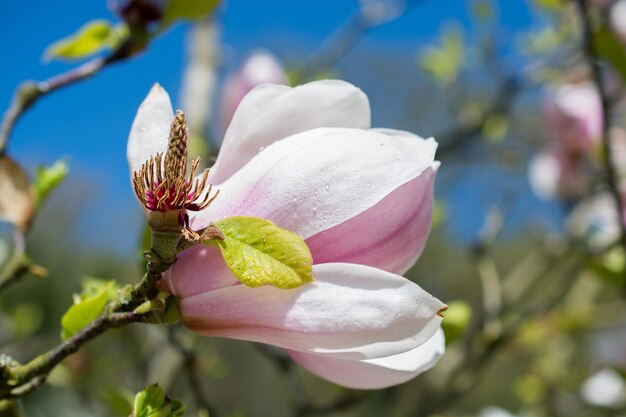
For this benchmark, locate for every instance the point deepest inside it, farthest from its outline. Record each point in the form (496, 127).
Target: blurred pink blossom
(573, 115)
(307, 159)
(261, 67)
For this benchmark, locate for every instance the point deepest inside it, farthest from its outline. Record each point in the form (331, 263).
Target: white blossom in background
(605, 388)
(493, 411)
(618, 18)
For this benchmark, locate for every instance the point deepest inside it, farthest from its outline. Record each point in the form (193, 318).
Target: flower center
(162, 184)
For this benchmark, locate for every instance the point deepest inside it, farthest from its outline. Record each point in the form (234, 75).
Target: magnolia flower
(306, 159)
(261, 67)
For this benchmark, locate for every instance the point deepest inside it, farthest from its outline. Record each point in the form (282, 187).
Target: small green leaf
(187, 10)
(260, 253)
(152, 402)
(483, 10)
(47, 179)
(609, 47)
(87, 306)
(495, 128)
(439, 213)
(444, 62)
(91, 38)
(609, 267)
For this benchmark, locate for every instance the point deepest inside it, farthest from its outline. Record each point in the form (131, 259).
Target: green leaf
(260, 253)
(91, 38)
(152, 402)
(444, 62)
(187, 10)
(495, 128)
(609, 47)
(609, 267)
(483, 10)
(87, 306)
(47, 179)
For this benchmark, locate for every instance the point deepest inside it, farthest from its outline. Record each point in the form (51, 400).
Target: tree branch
(611, 174)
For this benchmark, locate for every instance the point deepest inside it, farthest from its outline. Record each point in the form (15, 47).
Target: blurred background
(527, 245)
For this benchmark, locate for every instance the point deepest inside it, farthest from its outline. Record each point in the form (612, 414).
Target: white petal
(350, 311)
(317, 179)
(272, 112)
(150, 130)
(375, 373)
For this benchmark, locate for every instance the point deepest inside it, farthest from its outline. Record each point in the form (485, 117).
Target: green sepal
(258, 252)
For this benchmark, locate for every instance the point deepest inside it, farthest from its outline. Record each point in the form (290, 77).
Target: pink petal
(390, 235)
(318, 179)
(198, 269)
(351, 311)
(375, 373)
(149, 133)
(271, 112)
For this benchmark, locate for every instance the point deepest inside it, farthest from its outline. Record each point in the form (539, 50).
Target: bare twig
(30, 92)
(346, 37)
(191, 368)
(21, 380)
(593, 59)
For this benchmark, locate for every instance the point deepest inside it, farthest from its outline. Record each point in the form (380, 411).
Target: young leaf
(610, 48)
(187, 10)
(260, 253)
(91, 38)
(443, 63)
(87, 306)
(47, 179)
(152, 402)
(17, 200)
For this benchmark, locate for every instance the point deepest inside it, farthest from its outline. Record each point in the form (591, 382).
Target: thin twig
(21, 380)
(346, 37)
(611, 174)
(191, 367)
(30, 92)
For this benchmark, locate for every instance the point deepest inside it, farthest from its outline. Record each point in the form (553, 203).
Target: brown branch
(29, 92)
(451, 140)
(191, 367)
(593, 59)
(21, 380)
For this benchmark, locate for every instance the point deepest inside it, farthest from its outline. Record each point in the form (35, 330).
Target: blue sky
(88, 123)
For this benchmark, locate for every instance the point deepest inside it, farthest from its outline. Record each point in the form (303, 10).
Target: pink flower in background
(261, 67)
(573, 115)
(306, 159)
